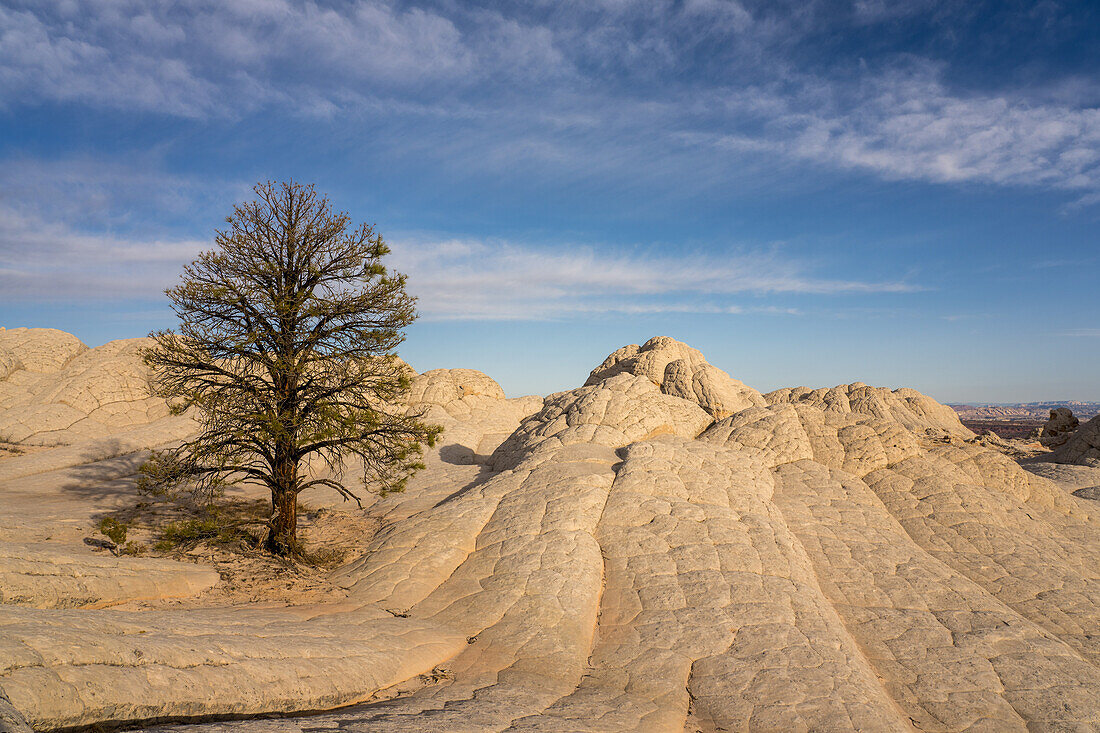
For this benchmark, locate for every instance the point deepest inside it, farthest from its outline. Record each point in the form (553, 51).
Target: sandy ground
(330, 537)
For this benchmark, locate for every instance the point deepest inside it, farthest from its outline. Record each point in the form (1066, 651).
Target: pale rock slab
(527, 595)
(9, 362)
(41, 350)
(45, 575)
(786, 433)
(613, 412)
(445, 386)
(710, 603)
(624, 556)
(951, 655)
(77, 668)
(472, 409)
(709, 387)
(67, 393)
(1069, 476)
(1017, 536)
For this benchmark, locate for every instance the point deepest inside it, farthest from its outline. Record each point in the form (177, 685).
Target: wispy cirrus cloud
(228, 58)
(904, 124)
(472, 279)
(43, 261)
(590, 88)
(453, 279)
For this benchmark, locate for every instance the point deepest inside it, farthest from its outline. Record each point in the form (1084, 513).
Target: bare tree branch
(284, 352)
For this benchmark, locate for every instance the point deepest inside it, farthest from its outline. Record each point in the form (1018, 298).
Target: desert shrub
(10, 445)
(113, 529)
(187, 533)
(224, 523)
(322, 557)
(133, 549)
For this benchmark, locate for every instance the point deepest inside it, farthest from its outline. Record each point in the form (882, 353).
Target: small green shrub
(134, 549)
(187, 533)
(113, 530)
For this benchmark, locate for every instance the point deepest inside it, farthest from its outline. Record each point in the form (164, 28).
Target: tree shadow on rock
(457, 454)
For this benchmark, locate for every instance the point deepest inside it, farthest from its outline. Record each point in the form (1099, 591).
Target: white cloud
(592, 89)
(906, 125)
(464, 279)
(50, 262)
(38, 60)
(453, 279)
(230, 57)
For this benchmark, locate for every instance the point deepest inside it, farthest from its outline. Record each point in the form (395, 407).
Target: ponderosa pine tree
(285, 353)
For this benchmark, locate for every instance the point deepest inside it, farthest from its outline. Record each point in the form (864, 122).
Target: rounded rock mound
(906, 407)
(1058, 428)
(681, 371)
(1082, 447)
(66, 392)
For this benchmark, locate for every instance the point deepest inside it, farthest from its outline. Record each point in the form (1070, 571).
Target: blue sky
(901, 193)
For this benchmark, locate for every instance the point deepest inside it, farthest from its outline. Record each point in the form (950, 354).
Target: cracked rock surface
(662, 549)
(54, 390)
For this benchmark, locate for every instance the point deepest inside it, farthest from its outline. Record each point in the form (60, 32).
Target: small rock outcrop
(1081, 447)
(1058, 427)
(680, 371)
(472, 409)
(907, 407)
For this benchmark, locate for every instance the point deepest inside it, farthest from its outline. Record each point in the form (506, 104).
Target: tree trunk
(282, 537)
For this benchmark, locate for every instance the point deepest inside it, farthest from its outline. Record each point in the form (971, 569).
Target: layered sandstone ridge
(661, 549)
(54, 390)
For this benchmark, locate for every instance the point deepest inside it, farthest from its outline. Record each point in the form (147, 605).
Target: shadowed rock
(1082, 447)
(1058, 428)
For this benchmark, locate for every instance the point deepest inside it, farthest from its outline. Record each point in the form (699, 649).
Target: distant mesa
(1025, 411)
(663, 548)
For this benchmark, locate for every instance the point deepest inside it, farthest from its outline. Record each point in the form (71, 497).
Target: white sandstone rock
(680, 371)
(662, 549)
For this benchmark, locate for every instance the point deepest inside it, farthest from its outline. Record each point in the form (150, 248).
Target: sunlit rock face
(54, 390)
(660, 549)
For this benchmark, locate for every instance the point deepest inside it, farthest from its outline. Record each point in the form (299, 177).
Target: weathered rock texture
(907, 407)
(54, 390)
(1082, 447)
(680, 371)
(45, 575)
(662, 549)
(1058, 428)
